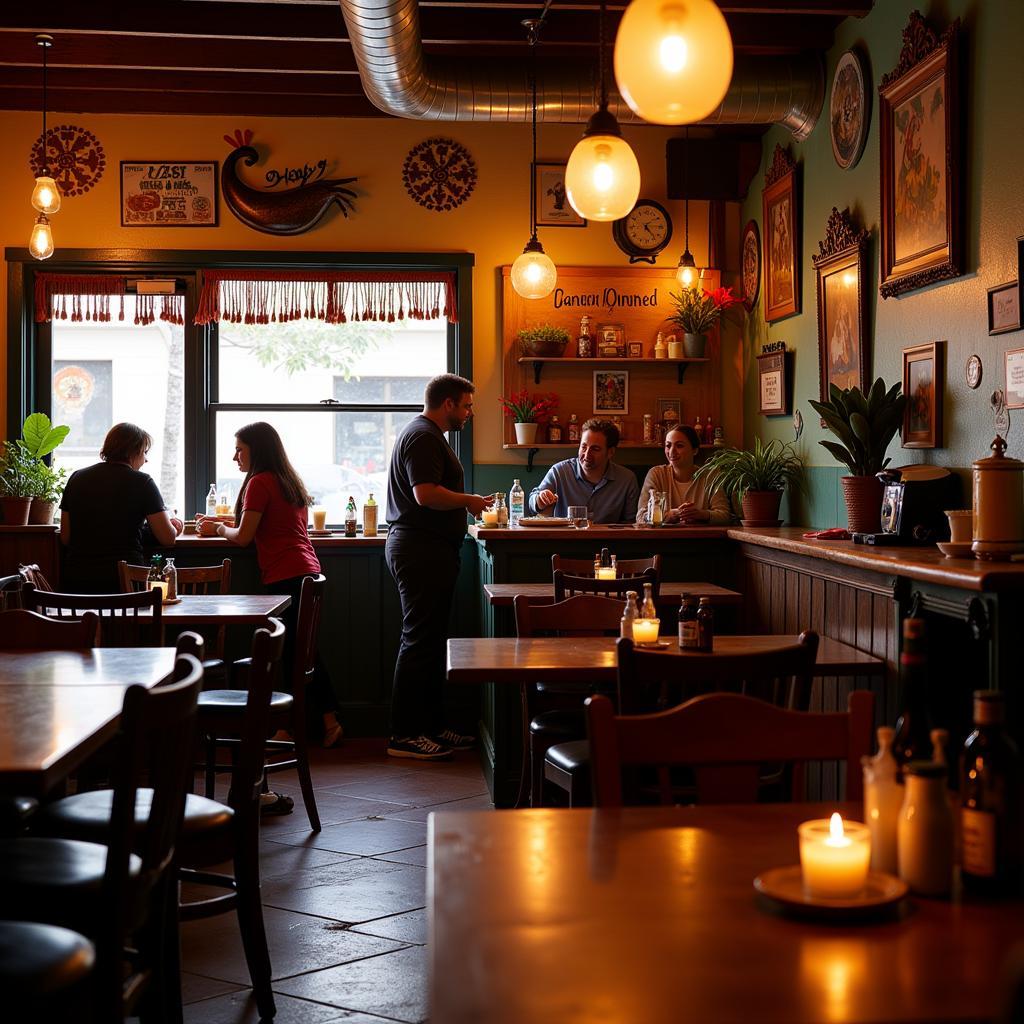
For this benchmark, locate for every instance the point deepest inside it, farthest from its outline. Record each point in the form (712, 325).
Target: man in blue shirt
(610, 492)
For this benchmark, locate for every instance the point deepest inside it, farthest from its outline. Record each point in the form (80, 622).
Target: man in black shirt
(426, 514)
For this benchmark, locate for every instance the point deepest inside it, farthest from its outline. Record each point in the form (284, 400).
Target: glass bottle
(925, 831)
(709, 432)
(211, 501)
(883, 798)
(647, 608)
(629, 616)
(574, 428)
(698, 430)
(688, 638)
(554, 430)
(706, 625)
(223, 506)
(370, 517)
(990, 798)
(913, 740)
(501, 510)
(584, 343)
(516, 502)
(155, 576)
(660, 350)
(350, 517)
(171, 578)
(606, 558)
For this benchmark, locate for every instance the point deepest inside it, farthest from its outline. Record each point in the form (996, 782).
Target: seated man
(609, 491)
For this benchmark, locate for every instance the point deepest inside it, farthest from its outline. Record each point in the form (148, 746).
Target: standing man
(426, 514)
(610, 492)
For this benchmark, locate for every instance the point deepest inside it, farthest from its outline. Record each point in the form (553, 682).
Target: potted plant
(39, 438)
(758, 477)
(865, 426)
(696, 313)
(543, 341)
(527, 411)
(16, 483)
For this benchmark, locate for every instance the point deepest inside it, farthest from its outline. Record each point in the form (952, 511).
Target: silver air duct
(400, 80)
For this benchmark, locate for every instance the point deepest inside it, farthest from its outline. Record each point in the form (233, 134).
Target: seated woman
(689, 502)
(271, 511)
(112, 511)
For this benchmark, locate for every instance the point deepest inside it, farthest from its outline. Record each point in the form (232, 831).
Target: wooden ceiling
(292, 57)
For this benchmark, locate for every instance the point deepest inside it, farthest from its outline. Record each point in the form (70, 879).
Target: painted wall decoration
(439, 174)
(750, 265)
(169, 193)
(781, 238)
(74, 156)
(923, 384)
(920, 162)
(849, 110)
(291, 212)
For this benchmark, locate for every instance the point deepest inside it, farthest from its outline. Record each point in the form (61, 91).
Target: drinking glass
(319, 518)
(579, 516)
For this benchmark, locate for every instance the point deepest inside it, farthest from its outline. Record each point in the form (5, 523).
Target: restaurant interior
(744, 748)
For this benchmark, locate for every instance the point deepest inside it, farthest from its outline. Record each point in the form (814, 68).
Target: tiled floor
(344, 909)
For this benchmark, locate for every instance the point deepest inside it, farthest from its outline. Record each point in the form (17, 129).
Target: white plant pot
(526, 433)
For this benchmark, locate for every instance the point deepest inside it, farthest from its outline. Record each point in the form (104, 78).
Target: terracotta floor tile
(411, 927)
(364, 836)
(195, 987)
(420, 789)
(415, 855)
(333, 807)
(240, 1008)
(481, 802)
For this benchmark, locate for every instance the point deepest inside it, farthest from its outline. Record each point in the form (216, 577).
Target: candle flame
(835, 826)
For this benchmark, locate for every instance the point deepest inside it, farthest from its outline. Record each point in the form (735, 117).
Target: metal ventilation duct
(400, 80)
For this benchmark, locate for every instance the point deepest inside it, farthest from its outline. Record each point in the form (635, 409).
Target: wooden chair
(725, 738)
(10, 591)
(25, 630)
(31, 573)
(567, 585)
(42, 968)
(126, 620)
(624, 566)
(582, 615)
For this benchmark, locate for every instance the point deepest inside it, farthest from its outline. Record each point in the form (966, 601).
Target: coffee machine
(914, 501)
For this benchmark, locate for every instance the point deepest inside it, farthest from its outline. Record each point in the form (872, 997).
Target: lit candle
(834, 857)
(645, 631)
(606, 572)
(162, 587)
(489, 517)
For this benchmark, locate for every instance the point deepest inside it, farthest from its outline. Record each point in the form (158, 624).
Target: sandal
(276, 803)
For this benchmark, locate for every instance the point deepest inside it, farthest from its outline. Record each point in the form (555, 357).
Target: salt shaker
(925, 833)
(883, 799)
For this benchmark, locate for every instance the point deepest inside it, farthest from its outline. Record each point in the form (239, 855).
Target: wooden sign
(772, 384)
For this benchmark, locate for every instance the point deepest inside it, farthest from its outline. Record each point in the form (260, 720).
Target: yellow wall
(493, 223)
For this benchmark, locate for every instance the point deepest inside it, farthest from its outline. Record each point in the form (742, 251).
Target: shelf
(532, 449)
(539, 361)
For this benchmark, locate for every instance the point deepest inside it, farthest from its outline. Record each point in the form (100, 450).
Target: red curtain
(82, 297)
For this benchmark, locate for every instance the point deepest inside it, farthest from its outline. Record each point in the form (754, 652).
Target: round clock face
(648, 227)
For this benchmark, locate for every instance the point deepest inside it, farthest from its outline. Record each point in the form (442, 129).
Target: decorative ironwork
(782, 163)
(439, 174)
(919, 43)
(74, 156)
(840, 234)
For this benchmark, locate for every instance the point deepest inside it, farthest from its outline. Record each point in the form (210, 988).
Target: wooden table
(648, 915)
(57, 707)
(501, 595)
(224, 609)
(592, 659)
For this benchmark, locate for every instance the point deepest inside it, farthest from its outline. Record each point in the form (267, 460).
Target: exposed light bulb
(533, 273)
(40, 243)
(46, 195)
(686, 271)
(673, 61)
(602, 178)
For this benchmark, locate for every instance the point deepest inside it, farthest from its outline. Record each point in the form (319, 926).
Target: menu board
(169, 194)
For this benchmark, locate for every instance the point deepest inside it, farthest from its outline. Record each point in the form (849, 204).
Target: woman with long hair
(689, 503)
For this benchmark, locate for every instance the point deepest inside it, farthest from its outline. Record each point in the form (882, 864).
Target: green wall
(992, 103)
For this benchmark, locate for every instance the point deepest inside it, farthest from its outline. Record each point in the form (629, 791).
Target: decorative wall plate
(74, 156)
(973, 371)
(750, 265)
(439, 174)
(848, 110)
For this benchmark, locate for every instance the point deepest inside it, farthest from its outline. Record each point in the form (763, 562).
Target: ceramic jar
(925, 830)
(998, 505)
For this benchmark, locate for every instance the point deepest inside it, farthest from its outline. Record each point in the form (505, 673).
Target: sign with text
(169, 194)
(772, 384)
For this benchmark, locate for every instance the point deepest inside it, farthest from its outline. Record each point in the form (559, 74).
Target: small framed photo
(1014, 361)
(1004, 308)
(553, 209)
(668, 410)
(923, 386)
(635, 349)
(772, 385)
(169, 193)
(611, 391)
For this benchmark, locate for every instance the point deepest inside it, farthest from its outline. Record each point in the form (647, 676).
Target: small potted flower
(696, 313)
(528, 411)
(542, 342)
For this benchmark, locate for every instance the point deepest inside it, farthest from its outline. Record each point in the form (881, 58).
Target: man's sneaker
(455, 740)
(422, 748)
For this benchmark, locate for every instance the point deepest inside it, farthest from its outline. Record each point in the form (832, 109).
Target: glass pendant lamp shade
(673, 59)
(602, 178)
(534, 273)
(46, 195)
(686, 271)
(40, 243)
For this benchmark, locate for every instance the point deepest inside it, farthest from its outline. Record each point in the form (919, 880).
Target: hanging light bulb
(602, 177)
(533, 273)
(46, 195)
(40, 243)
(686, 271)
(673, 59)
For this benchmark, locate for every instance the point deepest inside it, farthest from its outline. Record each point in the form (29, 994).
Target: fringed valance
(336, 297)
(82, 297)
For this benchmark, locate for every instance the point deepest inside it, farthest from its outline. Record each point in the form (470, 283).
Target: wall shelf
(533, 449)
(539, 361)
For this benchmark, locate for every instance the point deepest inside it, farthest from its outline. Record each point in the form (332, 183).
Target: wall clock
(644, 231)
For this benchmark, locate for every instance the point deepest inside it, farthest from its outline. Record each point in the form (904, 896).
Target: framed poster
(841, 265)
(781, 238)
(611, 391)
(772, 385)
(920, 162)
(923, 384)
(1004, 308)
(553, 209)
(1014, 365)
(169, 194)
(668, 410)
(848, 110)
(750, 265)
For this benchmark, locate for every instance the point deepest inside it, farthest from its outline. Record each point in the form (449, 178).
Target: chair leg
(162, 1003)
(538, 751)
(250, 924)
(211, 767)
(305, 780)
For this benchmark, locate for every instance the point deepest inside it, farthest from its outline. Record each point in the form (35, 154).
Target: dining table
(650, 915)
(58, 707)
(223, 609)
(501, 595)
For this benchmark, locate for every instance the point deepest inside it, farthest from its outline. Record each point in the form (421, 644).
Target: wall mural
(74, 156)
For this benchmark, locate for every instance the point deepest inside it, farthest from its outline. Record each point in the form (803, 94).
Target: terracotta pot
(863, 496)
(761, 507)
(695, 345)
(526, 433)
(15, 511)
(41, 512)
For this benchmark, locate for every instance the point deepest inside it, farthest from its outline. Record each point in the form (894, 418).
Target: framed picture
(1014, 365)
(635, 349)
(611, 340)
(553, 209)
(1004, 308)
(169, 194)
(750, 265)
(923, 386)
(920, 162)
(781, 238)
(611, 391)
(848, 110)
(772, 384)
(668, 410)
(841, 265)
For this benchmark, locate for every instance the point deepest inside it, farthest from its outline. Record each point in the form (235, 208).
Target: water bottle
(211, 501)
(516, 503)
(171, 578)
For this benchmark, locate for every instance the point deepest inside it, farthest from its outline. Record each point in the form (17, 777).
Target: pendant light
(602, 177)
(673, 59)
(533, 273)
(686, 270)
(45, 195)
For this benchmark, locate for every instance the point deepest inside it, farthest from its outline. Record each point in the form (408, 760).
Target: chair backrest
(624, 566)
(195, 579)
(781, 675)
(725, 737)
(190, 643)
(566, 585)
(126, 620)
(582, 615)
(31, 573)
(10, 591)
(25, 630)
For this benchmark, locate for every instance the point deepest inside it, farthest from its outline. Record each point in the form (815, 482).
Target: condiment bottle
(501, 509)
(171, 578)
(706, 625)
(584, 343)
(647, 608)
(688, 639)
(925, 831)
(554, 431)
(370, 517)
(660, 351)
(350, 517)
(574, 428)
(883, 799)
(211, 501)
(629, 616)
(998, 505)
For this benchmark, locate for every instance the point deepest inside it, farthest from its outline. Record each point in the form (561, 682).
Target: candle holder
(834, 857)
(645, 632)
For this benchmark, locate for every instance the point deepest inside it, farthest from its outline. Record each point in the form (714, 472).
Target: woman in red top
(271, 511)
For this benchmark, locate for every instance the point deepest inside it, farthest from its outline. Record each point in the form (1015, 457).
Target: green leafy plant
(770, 467)
(542, 340)
(47, 483)
(864, 425)
(696, 311)
(40, 437)
(17, 471)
